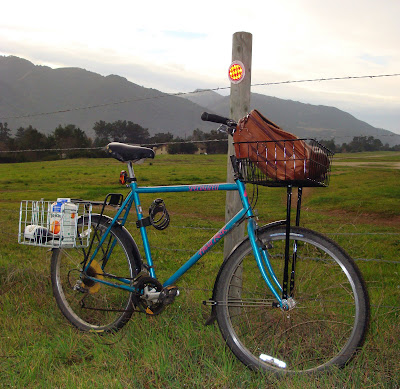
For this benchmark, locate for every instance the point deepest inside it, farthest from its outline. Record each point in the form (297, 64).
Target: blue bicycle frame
(260, 254)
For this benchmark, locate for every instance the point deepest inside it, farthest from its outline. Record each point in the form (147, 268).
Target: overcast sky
(180, 46)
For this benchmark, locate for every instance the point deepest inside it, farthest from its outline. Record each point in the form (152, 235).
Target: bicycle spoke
(314, 332)
(88, 304)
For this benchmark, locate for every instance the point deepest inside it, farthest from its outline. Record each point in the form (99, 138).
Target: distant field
(38, 348)
(371, 156)
(370, 160)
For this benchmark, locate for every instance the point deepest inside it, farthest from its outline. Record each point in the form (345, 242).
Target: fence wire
(104, 147)
(212, 230)
(164, 95)
(10, 237)
(14, 236)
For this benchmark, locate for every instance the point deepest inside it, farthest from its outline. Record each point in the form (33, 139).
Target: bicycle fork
(260, 250)
(285, 301)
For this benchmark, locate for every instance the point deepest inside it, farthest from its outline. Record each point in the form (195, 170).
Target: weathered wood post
(240, 106)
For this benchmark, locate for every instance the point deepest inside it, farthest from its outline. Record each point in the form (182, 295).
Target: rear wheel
(87, 304)
(330, 313)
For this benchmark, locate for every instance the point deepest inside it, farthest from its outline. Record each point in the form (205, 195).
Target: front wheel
(329, 316)
(91, 305)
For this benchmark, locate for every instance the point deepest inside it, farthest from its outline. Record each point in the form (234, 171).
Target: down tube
(215, 239)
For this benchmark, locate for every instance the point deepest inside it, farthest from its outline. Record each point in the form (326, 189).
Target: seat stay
(126, 206)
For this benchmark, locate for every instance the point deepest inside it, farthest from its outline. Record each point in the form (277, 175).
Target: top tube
(186, 188)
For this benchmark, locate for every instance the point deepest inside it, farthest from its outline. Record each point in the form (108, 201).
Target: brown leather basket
(271, 156)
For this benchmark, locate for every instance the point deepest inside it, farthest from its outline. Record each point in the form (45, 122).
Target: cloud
(171, 47)
(378, 60)
(184, 34)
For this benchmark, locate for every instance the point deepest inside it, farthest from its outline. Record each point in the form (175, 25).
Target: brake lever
(223, 129)
(227, 129)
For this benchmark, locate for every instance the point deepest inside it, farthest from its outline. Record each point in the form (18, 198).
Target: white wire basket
(54, 224)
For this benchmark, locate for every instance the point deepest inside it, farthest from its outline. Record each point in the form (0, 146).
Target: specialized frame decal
(215, 239)
(204, 187)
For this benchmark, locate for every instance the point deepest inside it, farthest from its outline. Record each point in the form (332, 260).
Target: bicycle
(286, 299)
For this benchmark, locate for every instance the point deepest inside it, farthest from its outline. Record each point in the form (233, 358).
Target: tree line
(359, 144)
(71, 138)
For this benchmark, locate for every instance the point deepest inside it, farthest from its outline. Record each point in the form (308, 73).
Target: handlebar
(210, 117)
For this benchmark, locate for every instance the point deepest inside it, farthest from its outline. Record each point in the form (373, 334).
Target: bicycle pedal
(168, 294)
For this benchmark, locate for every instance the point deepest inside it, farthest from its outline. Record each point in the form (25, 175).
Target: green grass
(39, 348)
(351, 196)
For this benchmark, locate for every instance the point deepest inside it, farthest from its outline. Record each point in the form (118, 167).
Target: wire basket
(296, 162)
(54, 224)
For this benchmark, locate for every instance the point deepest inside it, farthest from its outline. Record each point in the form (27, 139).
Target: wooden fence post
(240, 106)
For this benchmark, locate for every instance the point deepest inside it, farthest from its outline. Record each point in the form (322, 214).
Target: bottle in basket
(69, 224)
(63, 220)
(55, 216)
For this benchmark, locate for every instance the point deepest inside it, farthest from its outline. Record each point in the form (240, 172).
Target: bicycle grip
(210, 117)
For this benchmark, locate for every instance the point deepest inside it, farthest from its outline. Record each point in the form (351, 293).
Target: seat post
(130, 169)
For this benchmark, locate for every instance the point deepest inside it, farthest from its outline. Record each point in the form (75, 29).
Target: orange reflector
(122, 177)
(236, 72)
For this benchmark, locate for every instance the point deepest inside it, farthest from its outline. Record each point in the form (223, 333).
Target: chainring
(146, 297)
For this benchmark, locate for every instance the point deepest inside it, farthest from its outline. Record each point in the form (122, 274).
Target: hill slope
(32, 91)
(28, 89)
(305, 120)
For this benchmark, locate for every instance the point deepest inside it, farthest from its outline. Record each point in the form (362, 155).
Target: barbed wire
(333, 137)
(167, 249)
(327, 79)
(215, 229)
(178, 94)
(157, 144)
(42, 150)
(154, 144)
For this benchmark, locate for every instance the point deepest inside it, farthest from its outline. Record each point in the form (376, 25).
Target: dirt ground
(389, 165)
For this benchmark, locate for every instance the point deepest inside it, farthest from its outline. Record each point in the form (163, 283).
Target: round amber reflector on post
(236, 72)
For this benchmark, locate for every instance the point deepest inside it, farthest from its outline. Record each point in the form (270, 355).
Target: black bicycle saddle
(124, 152)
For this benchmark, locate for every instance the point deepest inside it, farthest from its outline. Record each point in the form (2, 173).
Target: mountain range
(304, 120)
(45, 98)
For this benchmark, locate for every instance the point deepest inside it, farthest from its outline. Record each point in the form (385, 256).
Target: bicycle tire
(325, 328)
(95, 307)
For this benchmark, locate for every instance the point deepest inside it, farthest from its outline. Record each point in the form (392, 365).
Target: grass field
(40, 349)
